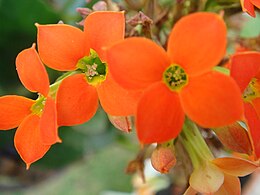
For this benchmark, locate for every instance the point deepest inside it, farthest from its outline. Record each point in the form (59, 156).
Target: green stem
(54, 87)
(196, 161)
(193, 134)
(194, 144)
(37, 107)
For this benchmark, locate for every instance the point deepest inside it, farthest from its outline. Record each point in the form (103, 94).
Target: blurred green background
(93, 156)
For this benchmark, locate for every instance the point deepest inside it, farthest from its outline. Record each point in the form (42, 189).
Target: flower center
(37, 107)
(252, 91)
(175, 77)
(94, 69)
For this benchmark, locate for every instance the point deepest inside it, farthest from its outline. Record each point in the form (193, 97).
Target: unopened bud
(163, 158)
(123, 123)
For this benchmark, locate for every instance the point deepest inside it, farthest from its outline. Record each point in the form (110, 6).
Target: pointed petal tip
(33, 46)
(51, 142)
(28, 166)
(59, 140)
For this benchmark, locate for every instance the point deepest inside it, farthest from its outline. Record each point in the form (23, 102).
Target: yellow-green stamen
(252, 91)
(175, 77)
(94, 69)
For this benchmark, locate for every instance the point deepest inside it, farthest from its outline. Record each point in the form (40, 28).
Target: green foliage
(251, 28)
(17, 19)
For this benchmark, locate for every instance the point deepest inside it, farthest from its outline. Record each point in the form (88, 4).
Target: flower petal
(115, 100)
(61, 46)
(211, 176)
(235, 137)
(136, 63)
(28, 142)
(48, 123)
(248, 7)
(235, 166)
(256, 3)
(198, 42)
(212, 100)
(254, 126)
(256, 105)
(76, 100)
(13, 109)
(231, 185)
(159, 115)
(104, 28)
(31, 71)
(245, 66)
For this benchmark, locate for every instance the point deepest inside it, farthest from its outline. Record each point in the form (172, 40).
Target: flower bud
(163, 158)
(123, 123)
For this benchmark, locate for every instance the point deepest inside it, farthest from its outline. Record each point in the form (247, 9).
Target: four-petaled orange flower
(180, 81)
(66, 48)
(219, 176)
(248, 6)
(37, 119)
(245, 69)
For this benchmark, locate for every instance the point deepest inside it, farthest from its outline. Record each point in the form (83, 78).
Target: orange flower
(248, 6)
(179, 81)
(37, 119)
(219, 176)
(245, 69)
(66, 48)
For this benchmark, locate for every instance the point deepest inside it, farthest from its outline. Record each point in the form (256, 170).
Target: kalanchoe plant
(66, 48)
(37, 119)
(180, 81)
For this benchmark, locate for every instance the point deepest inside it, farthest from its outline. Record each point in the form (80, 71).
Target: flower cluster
(167, 91)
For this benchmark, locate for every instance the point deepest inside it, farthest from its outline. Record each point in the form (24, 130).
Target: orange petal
(235, 166)
(76, 100)
(230, 186)
(136, 63)
(31, 71)
(245, 66)
(235, 137)
(212, 100)
(248, 7)
(256, 105)
(207, 178)
(13, 109)
(256, 3)
(28, 142)
(198, 42)
(254, 126)
(158, 119)
(48, 123)
(102, 29)
(257, 76)
(115, 100)
(61, 46)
